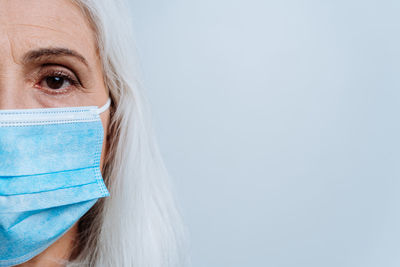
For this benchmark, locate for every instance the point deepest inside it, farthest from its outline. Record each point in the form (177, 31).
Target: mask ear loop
(105, 107)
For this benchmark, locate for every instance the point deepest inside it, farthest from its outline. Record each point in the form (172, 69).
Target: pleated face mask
(49, 176)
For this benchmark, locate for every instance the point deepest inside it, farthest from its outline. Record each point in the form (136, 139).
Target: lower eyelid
(60, 92)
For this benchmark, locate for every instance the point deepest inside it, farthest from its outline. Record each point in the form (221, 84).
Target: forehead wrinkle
(32, 25)
(40, 27)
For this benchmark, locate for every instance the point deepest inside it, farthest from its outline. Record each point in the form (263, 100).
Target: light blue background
(279, 122)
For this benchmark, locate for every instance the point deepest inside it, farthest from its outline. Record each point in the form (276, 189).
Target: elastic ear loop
(105, 107)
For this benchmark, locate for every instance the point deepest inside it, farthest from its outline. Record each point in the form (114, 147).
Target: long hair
(138, 225)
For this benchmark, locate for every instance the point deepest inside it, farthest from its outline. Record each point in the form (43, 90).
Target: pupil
(55, 82)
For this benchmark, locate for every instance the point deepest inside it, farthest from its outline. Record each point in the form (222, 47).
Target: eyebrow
(42, 53)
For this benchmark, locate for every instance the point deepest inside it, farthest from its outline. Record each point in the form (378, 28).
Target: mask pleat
(26, 184)
(60, 197)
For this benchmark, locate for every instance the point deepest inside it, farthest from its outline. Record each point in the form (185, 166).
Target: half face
(48, 57)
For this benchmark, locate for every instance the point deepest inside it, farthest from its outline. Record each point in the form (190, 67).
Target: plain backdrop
(279, 124)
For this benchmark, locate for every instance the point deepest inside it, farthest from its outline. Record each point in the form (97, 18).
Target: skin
(27, 26)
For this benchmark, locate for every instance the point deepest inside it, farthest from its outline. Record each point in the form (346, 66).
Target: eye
(57, 81)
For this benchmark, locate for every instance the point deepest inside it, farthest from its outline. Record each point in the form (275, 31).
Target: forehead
(27, 24)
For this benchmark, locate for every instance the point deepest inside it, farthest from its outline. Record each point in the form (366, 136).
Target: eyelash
(74, 82)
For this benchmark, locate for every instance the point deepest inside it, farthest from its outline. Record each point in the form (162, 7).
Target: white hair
(138, 225)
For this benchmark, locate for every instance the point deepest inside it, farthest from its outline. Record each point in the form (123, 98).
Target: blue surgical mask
(49, 176)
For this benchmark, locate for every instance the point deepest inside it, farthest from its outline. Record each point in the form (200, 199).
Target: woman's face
(48, 58)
